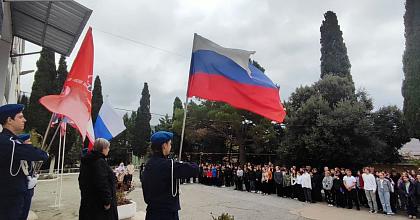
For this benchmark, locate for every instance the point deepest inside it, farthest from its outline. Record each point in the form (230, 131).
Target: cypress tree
(24, 100)
(97, 98)
(411, 67)
(38, 116)
(334, 59)
(177, 105)
(61, 74)
(142, 126)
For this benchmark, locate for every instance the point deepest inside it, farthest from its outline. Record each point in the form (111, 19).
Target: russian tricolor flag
(108, 123)
(226, 75)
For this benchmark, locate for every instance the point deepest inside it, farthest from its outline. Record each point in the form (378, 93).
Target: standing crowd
(380, 191)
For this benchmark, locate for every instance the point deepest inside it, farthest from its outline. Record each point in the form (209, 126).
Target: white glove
(32, 181)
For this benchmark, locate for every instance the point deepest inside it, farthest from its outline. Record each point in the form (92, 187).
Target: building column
(5, 46)
(4, 69)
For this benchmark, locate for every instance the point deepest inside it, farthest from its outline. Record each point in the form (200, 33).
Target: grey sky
(284, 34)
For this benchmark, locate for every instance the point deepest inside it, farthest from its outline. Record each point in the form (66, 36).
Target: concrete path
(200, 202)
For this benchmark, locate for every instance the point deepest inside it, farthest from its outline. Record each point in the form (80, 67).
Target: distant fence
(76, 170)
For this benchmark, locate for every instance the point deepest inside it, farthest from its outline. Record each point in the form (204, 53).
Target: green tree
(335, 88)
(97, 98)
(38, 116)
(389, 127)
(61, 75)
(411, 67)
(131, 128)
(142, 126)
(177, 105)
(97, 101)
(121, 144)
(24, 100)
(165, 124)
(334, 59)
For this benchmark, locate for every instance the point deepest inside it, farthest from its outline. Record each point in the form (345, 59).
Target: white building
(52, 24)
(9, 67)
(411, 150)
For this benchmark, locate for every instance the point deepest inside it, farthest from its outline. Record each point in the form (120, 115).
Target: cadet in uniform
(16, 154)
(159, 179)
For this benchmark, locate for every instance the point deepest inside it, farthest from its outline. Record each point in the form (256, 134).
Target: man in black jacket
(278, 179)
(159, 180)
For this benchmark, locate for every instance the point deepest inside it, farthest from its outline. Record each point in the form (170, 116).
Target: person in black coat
(278, 179)
(97, 185)
(316, 185)
(159, 180)
(338, 191)
(16, 182)
(408, 194)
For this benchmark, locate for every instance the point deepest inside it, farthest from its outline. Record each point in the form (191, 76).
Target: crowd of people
(380, 191)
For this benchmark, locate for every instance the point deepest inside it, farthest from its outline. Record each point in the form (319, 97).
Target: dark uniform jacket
(156, 183)
(12, 185)
(278, 177)
(97, 188)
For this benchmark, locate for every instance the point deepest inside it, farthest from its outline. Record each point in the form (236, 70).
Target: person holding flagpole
(159, 179)
(17, 154)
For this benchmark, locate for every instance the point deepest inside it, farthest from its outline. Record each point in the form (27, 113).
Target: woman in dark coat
(97, 185)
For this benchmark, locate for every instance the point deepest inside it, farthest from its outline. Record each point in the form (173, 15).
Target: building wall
(12, 91)
(9, 67)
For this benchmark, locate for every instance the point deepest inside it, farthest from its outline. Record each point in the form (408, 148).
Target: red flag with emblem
(75, 100)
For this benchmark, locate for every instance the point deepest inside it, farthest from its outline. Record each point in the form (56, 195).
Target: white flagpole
(58, 166)
(185, 109)
(62, 164)
(183, 128)
(46, 132)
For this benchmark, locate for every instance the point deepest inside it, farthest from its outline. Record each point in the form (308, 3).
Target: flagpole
(62, 165)
(183, 128)
(186, 105)
(44, 139)
(52, 139)
(58, 166)
(47, 131)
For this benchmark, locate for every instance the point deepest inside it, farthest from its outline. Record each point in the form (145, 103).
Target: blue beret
(10, 110)
(161, 137)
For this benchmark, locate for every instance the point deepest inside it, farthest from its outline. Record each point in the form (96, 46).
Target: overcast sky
(284, 34)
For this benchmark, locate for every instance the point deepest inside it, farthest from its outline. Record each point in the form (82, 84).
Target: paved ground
(200, 202)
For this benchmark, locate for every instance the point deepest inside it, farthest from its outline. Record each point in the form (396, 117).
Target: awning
(56, 25)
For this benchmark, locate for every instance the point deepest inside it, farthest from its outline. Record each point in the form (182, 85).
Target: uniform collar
(159, 155)
(8, 133)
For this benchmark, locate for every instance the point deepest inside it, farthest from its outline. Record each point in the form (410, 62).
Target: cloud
(285, 35)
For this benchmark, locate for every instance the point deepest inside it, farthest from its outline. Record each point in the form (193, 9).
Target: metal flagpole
(62, 164)
(185, 109)
(46, 132)
(183, 128)
(52, 139)
(44, 139)
(58, 166)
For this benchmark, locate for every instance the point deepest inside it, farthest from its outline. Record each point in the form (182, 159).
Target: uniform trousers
(158, 215)
(11, 207)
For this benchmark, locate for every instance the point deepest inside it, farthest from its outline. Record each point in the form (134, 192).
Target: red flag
(75, 99)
